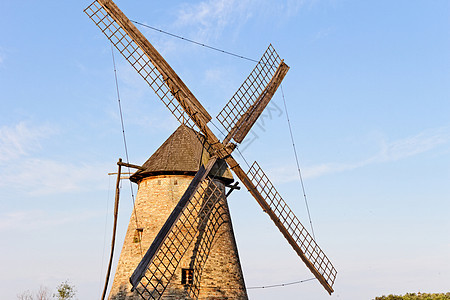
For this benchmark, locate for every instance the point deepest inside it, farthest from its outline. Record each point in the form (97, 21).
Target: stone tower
(167, 174)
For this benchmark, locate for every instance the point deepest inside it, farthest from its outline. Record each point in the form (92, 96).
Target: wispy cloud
(21, 139)
(323, 33)
(36, 176)
(388, 152)
(39, 219)
(212, 17)
(21, 146)
(413, 145)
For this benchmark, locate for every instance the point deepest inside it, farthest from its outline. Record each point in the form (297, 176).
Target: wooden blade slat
(207, 237)
(249, 92)
(250, 117)
(295, 233)
(146, 60)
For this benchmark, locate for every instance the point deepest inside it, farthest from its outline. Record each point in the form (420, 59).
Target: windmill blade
(295, 233)
(243, 109)
(146, 60)
(158, 265)
(250, 117)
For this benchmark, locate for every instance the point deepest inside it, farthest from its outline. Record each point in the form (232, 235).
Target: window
(187, 276)
(138, 235)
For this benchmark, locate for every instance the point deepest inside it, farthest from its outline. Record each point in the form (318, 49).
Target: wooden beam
(115, 173)
(124, 164)
(176, 85)
(249, 118)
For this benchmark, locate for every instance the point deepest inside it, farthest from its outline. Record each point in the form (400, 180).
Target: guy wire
(125, 141)
(298, 164)
(194, 42)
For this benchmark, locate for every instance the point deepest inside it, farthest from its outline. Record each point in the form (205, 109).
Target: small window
(159, 181)
(187, 276)
(138, 235)
(175, 182)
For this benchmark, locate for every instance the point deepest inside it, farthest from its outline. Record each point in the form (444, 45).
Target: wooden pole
(113, 242)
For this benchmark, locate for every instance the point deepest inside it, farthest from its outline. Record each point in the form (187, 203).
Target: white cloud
(413, 145)
(21, 139)
(323, 33)
(21, 167)
(389, 151)
(319, 170)
(39, 219)
(37, 176)
(211, 17)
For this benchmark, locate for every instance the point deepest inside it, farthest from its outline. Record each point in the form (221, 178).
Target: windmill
(198, 205)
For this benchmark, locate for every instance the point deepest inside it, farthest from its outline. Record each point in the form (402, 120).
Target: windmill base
(220, 277)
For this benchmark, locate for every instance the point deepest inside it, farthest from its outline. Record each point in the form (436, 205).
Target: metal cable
(280, 285)
(125, 141)
(194, 42)
(298, 164)
(257, 287)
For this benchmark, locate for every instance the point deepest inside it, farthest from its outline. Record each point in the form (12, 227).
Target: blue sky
(368, 96)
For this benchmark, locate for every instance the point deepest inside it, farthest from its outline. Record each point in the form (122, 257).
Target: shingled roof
(181, 154)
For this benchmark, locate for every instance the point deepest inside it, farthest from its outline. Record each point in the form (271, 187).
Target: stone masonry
(221, 277)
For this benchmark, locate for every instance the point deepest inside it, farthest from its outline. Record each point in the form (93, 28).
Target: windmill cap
(181, 154)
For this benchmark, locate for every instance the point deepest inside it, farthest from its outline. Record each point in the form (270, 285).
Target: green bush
(414, 296)
(65, 291)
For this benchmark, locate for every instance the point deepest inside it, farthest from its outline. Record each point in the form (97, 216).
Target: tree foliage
(65, 291)
(414, 296)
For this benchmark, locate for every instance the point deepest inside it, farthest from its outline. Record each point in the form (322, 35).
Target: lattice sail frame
(163, 266)
(310, 250)
(139, 60)
(204, 243)
(250, 90)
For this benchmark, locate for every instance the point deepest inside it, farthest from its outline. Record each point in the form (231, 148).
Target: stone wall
(212, 254)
